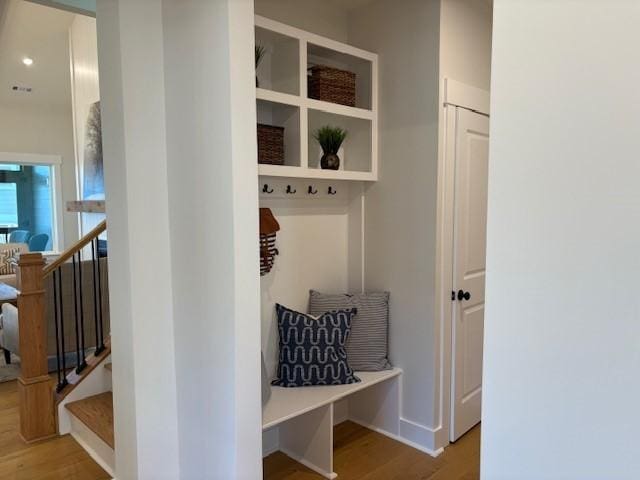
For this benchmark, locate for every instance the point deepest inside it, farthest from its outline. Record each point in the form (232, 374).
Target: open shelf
(355, 154)
(288, 117)
(277, 97)
(300, 172)
(363, 69)
(279, 69)
(282, 101)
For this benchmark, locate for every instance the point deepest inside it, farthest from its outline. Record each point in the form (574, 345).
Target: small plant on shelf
(330, 139)
(260, 51)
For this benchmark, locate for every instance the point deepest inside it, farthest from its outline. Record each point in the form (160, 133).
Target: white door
(469, 246)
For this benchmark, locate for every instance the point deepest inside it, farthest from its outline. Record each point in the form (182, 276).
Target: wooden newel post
(37, 410)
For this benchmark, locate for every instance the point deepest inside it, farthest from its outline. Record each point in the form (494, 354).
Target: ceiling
(41, 33)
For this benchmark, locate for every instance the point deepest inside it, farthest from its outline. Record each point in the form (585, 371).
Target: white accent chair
(9, 335)
(9, 331)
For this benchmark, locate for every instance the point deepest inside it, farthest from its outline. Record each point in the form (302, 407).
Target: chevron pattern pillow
(312, 349)
(7, 258)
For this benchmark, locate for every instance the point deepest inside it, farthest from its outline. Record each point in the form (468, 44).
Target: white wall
(316, 16)
(313, 240)
(313, 246)
(185, 306)
(400, 209)
(562, 349)
(140, 288)
(85, 92)
(44, 131)
(465, 41)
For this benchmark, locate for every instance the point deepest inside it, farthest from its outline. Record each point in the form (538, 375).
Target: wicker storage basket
(270, 144)
(332, 85)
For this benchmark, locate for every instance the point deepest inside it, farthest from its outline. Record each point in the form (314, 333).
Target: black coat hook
(311, 191)
(266, 189)
(331, 191)
(290, 190)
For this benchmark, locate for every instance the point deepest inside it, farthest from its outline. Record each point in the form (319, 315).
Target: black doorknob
(462, 295)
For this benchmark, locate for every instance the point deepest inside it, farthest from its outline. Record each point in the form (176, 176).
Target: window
(27, 200)
(8, 204)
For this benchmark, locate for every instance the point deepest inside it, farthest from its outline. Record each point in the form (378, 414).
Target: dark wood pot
(330, 161)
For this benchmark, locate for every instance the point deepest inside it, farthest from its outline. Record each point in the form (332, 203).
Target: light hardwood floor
(60, 458)
(362, 454)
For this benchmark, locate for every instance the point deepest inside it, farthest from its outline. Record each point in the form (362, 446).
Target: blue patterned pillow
(312, 349)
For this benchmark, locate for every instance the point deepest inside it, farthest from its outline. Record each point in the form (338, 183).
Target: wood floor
(58, 459)
(361, 454)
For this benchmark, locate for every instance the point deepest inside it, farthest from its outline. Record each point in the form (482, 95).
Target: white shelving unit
(282, 100)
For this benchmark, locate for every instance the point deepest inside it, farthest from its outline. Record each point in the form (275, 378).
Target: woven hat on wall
(268, 251)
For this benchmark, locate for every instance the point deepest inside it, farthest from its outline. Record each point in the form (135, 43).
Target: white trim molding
(419, 437)
(270, 441)
(30, 158)
(55, 162)
(466, 96)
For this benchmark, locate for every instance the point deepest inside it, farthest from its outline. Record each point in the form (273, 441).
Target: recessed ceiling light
(27, 61)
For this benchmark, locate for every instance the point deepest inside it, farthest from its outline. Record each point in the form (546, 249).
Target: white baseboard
(429, 451)
(270, 441)
(420, 437)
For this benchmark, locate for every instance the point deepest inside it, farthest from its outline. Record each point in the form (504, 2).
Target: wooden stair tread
(109, 366)
(96, 413)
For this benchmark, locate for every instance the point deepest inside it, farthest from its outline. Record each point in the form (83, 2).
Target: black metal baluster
(100, 348)
(55, 320)
(79, 314)
(64, 382)
(95, 293)
(75, 311)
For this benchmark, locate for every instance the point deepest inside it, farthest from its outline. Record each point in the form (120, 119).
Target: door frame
(455, 95)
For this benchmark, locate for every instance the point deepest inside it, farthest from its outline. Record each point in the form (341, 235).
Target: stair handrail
(75, 248)
(37, 398)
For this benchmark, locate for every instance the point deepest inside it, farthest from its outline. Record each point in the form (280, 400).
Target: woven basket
(332, 85)
(270, 144)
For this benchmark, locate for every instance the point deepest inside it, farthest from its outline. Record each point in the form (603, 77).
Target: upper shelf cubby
(305, 82)
(361, 68)
(279, 68)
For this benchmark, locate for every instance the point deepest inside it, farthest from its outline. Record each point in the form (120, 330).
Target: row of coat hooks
(290, 190)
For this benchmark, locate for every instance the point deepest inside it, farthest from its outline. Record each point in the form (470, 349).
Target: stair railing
(75, 311)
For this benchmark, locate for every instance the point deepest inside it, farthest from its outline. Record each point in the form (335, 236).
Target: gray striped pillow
(367, 347)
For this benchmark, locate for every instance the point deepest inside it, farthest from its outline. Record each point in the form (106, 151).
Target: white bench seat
(286, 403)
(305, 415)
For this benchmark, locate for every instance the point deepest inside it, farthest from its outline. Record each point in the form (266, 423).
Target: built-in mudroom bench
(310, 91)
(302, 419)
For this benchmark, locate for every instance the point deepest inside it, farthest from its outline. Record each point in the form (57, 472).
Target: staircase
(63, 316)
(86, 412)
(91, 424)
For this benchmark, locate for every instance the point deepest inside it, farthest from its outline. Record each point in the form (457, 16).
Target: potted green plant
(330, 139)
(260, 51)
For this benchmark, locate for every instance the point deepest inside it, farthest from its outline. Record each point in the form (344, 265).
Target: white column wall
(141, 291)
(562, 328)
(180, 166)
(213, 207)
